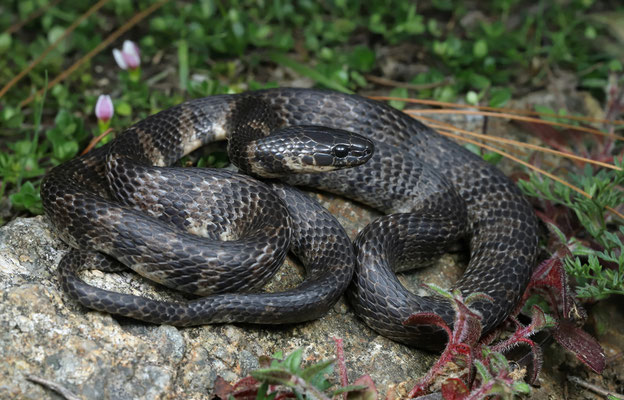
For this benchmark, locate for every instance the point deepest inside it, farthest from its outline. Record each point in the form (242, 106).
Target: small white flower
(129, 57)
(104, 108)
(119, 59)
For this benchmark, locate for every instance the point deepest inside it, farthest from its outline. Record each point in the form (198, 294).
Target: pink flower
(104, 108)
(129, 57)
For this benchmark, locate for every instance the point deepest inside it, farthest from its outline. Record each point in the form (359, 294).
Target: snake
(433, 193)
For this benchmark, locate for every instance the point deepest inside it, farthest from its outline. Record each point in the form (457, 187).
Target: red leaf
(538, 361)
(282, 396)
(369, 393)
(454, 389)
(366, 380)
(582, 344)
(222, 388)
(245, 389)
(550, 279)
(428, 319)
(467, 325)
(247, 394)
(342, 368)
(245, 383)
(265, 361)
(538, 320)
(546, 133)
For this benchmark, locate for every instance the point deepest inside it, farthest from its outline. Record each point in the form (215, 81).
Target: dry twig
(53, 386)
(101, 46)
(594, 388)
(51, 47)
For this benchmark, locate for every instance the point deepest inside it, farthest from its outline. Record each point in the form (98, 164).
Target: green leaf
(308, 71)
(5, 42)
(278, 355)
(63, 146)
(615, 66)
(183, 64)
(349, 388)
(27, 199)
(472, 98)
(316, 369)
(362, 58)
(480, 48)
(492, 157)
(398, 92)
(439, 290)
(292, 362)
(499, 97)
(482, 371)
(55, 33)
(521, 387)
(273, 376)
(123, 108)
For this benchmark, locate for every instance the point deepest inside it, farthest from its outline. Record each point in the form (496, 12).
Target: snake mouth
(347, 150)
(361, 150)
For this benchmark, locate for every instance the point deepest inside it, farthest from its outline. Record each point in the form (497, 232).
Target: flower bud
(104, 108)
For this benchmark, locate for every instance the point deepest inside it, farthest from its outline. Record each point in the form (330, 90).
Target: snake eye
(340, 151)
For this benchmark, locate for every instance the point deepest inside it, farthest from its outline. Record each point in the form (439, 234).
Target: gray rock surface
(95, 355)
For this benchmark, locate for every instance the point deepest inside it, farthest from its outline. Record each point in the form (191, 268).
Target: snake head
(308, 149)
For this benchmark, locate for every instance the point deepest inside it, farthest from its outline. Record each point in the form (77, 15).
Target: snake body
(434, 191)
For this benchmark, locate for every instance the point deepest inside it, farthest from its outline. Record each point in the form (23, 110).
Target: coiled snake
(434, 191)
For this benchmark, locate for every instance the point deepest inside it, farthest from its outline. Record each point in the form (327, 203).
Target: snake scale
(433, 191)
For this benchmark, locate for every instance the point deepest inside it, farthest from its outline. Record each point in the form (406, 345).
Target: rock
(95, 355)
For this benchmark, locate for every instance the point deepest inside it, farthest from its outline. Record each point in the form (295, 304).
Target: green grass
(596, 257)
(482, 52)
